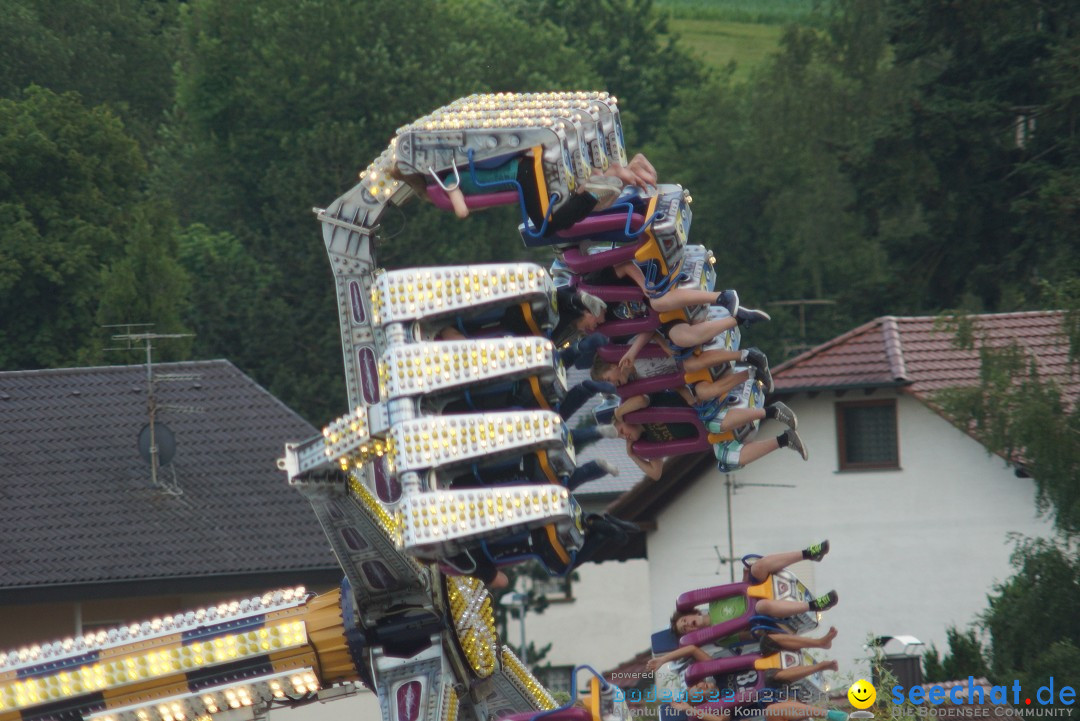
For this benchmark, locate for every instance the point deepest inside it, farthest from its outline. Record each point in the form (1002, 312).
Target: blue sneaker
(729, 301)
(749, 316)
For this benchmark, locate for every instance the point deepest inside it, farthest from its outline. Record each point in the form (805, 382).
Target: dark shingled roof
(77, 507)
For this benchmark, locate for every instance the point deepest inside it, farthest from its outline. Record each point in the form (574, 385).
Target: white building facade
(919, 514)
(914, 550)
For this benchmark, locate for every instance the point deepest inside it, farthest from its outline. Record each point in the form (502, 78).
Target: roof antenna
(157, 444)
(793, 349)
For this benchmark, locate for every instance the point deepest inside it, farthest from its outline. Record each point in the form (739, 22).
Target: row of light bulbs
(157, 626)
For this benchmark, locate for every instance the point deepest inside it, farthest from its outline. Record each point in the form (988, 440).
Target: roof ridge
(259, 386)
(894, 347)
(897, 320)
(964, 314)
(84, 369)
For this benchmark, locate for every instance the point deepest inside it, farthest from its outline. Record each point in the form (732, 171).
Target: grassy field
(746, 31)
(718, 42)
(768, 12)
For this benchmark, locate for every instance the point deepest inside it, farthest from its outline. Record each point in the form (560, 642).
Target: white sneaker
(608, 466)
(607, 431)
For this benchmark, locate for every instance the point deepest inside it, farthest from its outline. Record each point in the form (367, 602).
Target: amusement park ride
(429, 481)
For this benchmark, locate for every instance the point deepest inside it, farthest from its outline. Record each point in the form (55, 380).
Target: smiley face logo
(862, 694)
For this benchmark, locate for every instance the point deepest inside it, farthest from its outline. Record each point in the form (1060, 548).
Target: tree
(227, 285)
(1020, 414)
(147, 283)
(768, 163)
(275, 115)
(965, 658)
(982, 155)
(72, 218)
(118, 53)
(1034, 616)
(627, 43)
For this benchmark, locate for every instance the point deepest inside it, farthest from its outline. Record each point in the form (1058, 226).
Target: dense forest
(159, 161)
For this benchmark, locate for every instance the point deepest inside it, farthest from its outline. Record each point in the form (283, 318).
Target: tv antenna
(730, 486)
(156, 442)
(802, 345)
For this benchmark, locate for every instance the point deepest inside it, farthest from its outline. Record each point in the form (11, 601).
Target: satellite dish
(166, 443)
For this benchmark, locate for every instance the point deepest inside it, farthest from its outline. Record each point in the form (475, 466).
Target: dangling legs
(708, 390)
(739, 417)
(710, 358)
(768, 565)
(677, 298)
(783, 609)
(689, 335)
(797, 673)
(793, 642)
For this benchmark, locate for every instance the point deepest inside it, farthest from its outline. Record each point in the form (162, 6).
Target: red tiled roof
(921, 353)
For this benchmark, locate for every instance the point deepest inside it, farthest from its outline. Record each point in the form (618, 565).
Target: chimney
(902, 657)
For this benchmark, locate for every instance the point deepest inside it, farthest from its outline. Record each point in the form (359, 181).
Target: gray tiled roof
(76, 502)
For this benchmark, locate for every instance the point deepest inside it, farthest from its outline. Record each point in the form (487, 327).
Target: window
(866, 435)
(555, 678)
(553, 589)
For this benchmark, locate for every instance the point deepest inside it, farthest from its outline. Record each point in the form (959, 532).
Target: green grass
(771, 12)
(718, 42)
(746, 31)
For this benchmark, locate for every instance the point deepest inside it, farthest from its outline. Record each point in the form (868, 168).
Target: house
(918, 512)
(91, 540)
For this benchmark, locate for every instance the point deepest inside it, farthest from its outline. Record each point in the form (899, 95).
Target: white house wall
(606, 624)
(913, 551)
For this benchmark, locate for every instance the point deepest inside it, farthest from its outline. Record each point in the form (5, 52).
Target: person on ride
(683, 622)
(599, 192)
(702, 391)
(732, 454)
(682, 337)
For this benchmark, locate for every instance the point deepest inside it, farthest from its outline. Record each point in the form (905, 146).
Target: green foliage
(276, 114)
(965, 658)
(118, 53)
(954, 156)
(626, 43)
(721, 42)
(74, 231)
(227, 285)
(1033, 618)
(1022, 416)
(873, 162)
(148, 284)
(770, 159)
